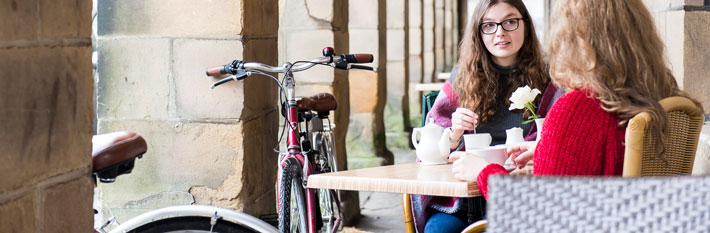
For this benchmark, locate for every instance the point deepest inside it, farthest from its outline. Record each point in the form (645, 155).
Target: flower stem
(531, 108)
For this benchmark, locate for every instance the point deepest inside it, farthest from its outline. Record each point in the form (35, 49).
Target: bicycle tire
(291, 192)
(191, 224)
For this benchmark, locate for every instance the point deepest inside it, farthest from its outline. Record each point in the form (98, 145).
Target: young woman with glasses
(499, 52)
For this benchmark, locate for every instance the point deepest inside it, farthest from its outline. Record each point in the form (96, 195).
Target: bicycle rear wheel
(329, 199)
(191, 224)
(292, 201)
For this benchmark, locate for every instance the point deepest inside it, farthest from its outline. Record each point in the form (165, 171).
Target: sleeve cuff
(482, 180)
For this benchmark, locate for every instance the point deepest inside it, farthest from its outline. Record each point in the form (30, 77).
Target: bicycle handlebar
(340, 62)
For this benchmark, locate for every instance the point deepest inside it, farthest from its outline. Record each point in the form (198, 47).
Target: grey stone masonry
(45, 116)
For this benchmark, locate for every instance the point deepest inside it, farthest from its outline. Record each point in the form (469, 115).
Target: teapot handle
(414, 137)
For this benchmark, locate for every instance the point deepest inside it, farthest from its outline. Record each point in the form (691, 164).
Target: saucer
(432, 163)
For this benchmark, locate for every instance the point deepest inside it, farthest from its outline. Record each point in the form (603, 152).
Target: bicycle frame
(294, 146)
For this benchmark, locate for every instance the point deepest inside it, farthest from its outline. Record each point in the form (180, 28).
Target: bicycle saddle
(321, 102)
(113, 154)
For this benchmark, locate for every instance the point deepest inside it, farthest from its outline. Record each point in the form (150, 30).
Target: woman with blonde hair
(610, 76)
(499, 52)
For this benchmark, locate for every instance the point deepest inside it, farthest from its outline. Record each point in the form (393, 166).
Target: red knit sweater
(579, 138)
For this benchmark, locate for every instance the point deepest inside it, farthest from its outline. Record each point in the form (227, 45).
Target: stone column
(45, 110)
(366, 133)
(428, 50)
(397, 109)
(308, 26)
(439, 38)
(448, 35)
(211, 147)
(415, 59)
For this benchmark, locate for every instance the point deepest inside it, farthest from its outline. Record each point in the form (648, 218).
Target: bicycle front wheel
(292, 201)
(191, 224)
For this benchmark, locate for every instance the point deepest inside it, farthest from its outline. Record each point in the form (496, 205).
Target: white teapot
(433, 145)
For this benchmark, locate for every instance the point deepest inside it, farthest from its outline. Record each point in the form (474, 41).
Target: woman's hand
(461, 120)
(521, 153)
(466, 166)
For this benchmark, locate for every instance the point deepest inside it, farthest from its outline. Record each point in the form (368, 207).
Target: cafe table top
(411, 178)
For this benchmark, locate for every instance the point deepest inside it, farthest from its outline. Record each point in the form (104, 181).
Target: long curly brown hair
(478, 84)
(597, 45)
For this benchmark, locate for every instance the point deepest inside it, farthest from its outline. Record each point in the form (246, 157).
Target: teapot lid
(431, 124)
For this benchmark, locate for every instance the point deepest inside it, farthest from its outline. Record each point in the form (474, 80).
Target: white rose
(522, 96)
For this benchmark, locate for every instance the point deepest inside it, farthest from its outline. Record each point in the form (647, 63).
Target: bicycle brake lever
(240, 75)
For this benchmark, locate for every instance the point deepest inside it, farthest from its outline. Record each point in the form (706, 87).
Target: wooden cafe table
(410, 178)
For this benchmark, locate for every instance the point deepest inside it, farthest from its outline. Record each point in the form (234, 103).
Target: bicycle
(310, 149)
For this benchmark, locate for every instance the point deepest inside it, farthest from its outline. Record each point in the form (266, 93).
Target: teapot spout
(444, 147)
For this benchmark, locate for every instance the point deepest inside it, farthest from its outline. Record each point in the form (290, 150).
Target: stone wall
(45, 116)
(205, 146)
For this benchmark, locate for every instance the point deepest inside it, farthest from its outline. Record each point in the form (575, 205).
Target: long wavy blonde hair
(478, 83)
(612, 48)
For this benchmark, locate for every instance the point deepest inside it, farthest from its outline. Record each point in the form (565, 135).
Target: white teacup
(478, 140)
(494, 154)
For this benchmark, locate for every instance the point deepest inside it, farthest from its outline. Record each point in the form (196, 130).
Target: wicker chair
(684, 123)
(584, 204)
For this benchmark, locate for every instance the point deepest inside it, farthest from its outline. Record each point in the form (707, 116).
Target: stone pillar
(415, 59)
(439, 38)
(397, 109)
(448, 35)
(211, 147)
(45, 110)
(308, 26)
(428, 50)
(683, 26)
(366, 133)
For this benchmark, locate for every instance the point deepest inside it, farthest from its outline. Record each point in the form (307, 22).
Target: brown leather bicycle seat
(321, 102)
(113, 148)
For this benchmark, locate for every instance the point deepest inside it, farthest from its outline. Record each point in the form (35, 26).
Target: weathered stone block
(395, 45)
(65, 18)
(46, 113)
(415, 69)
(415, 13)
(395, 78)
(363, 91)
(170, 17)
(134, 78)
(179, 163)
(18, 19)
(304, 45)
(260, 17)
(365, 41)
(66, 207)
(306, 14)
(674, 41)
(395, 13)
(19, 213)
(363, 14)
(193, 97)
(415, 41)
(696, 56)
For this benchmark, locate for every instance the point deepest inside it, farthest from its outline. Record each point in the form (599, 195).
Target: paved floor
(382, 212)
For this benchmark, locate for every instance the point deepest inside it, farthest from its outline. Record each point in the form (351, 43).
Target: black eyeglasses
(508, 25)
